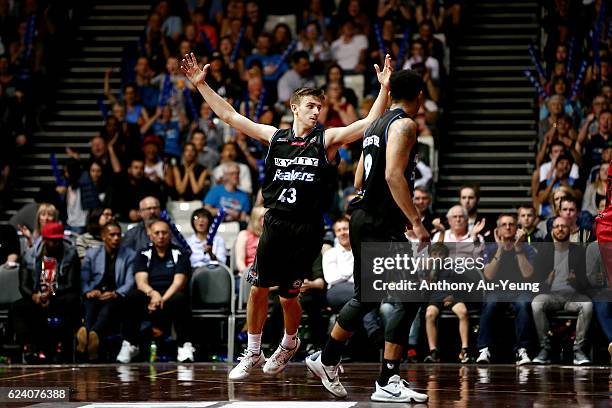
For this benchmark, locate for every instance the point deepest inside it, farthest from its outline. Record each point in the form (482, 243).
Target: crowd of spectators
(31, 53)
(161, 146)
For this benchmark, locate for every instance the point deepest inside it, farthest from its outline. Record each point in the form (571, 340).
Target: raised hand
(191, 69)
(385, 75)
(478, 227)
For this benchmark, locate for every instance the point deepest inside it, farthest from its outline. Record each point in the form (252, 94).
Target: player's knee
(259, 293)
(288, 301)
(460, 310)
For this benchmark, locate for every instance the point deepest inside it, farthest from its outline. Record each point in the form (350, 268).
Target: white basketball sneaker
(248, 361)
(278, 361)
(397, 390)
(328, 374)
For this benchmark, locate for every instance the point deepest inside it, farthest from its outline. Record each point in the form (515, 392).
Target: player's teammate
(387, 166)
(298, 174)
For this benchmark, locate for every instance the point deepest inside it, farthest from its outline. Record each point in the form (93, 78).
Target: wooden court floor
(206, 385)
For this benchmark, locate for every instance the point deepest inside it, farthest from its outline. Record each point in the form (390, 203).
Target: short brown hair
(300, 93)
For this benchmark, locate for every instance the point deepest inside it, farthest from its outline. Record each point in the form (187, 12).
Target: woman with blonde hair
(46, 213)
(247, 240)
(596, 191)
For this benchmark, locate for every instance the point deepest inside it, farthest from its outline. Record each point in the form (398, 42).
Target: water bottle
(153, 352)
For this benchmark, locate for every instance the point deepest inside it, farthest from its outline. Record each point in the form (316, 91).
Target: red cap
(156, 140)
(53, 230)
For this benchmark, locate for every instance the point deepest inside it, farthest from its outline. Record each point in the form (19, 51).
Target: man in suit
(107, 275)
(562, 268)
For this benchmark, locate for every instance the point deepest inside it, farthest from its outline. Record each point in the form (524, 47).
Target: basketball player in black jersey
(298, 176)
(386, 174)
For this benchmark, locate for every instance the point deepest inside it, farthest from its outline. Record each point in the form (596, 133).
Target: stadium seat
(213, 296)
(180, 212)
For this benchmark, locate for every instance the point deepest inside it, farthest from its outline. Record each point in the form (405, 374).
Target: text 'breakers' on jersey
(297, 174)
(377, 198)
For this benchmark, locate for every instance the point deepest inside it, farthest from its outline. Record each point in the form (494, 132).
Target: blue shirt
(170, 133)
(219, 197)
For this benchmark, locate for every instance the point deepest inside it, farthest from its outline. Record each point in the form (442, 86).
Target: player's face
(308, 111)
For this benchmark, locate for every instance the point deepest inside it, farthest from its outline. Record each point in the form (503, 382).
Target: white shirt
(346, 54)
(545, 168)
(199, 257)
(464, 247)
(338, 265)
(431, 64)
(77, 217)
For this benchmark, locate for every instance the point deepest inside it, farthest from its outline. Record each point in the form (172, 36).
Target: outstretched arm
(225, 111)
(336, 137)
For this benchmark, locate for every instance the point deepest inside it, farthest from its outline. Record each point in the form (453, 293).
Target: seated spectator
(107, 276)
(97, 177)
(590, 125)
(189, 177)
(49, 284)
(92, 238)
(564, 133)
(434, 46)
(162, 273)
(606, 157)
(546, 170)
(528, 220)
(207, 156)
(154, 167)
(229, 154)
(9, 248)
(135, 113)
(442, 300)
(469, 198)
(172, 26)
(80, 196)
(45, 214)
(349, 50)
(269, 61)
(126, 192)
(510, 259)
(432, 11)
(581, 228)
(247, 240)
(281, 38)
(562, 266)
(336, 111)
(422, 201)
(338, 268)
(137, 237)
(298, 76)
(561, 177)
(335, 73)
(418, 53)
(212, 132)
(457, 218)
(143, 74)
(596, 190)
(555, 108)
(594, 147)
(313, 43)
(354, 12)
(235, 202)
(201, 252)
(168, 128)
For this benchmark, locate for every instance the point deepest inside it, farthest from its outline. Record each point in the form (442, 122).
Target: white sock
(289, 341)
(254, 343)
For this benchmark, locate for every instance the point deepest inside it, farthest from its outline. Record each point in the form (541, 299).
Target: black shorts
(286, 252)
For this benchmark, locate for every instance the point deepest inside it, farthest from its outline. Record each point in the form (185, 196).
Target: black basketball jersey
(298, 177)
(377, 198)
